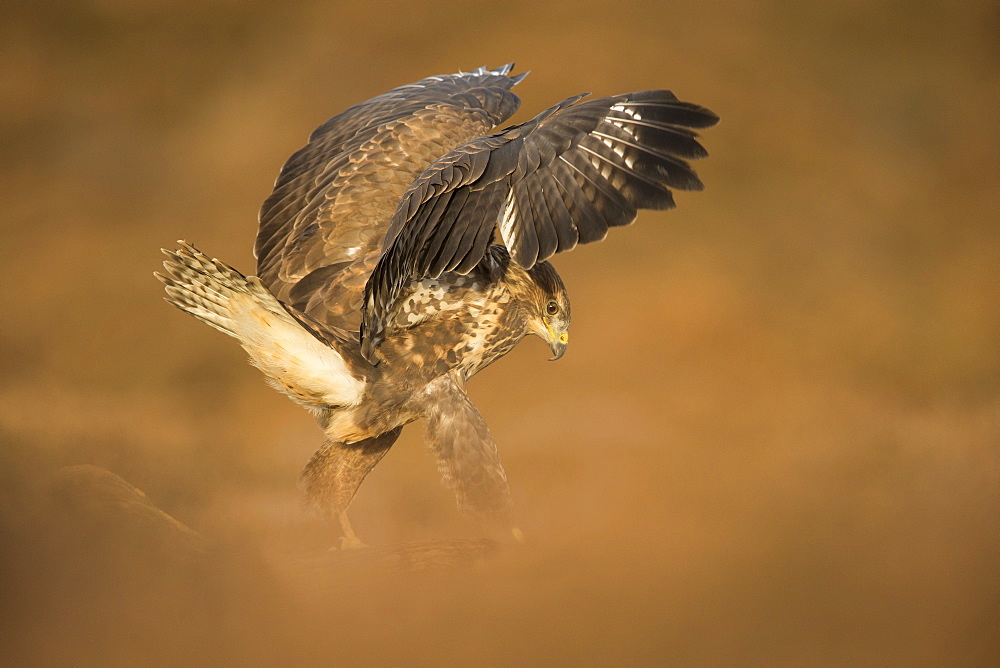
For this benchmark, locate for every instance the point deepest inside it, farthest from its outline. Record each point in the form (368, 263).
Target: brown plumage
(403, 250)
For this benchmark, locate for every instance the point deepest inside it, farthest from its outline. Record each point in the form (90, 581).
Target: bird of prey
(405, 248)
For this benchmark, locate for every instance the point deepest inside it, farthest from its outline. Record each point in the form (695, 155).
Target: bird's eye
(552, 308)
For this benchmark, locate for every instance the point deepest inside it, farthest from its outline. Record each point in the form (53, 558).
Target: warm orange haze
(774, 438)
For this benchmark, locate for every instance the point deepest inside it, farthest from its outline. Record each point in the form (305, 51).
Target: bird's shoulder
(321, 229)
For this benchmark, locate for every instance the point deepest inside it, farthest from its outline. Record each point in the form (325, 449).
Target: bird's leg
(350, 540)
(334, 473)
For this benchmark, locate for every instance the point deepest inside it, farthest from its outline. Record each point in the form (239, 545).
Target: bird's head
(548, 308)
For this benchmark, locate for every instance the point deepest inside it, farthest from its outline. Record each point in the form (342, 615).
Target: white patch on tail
(293, 360)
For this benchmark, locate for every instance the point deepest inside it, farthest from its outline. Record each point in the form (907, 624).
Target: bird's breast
(454, 322)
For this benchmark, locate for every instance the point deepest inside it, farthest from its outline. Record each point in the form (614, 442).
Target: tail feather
(292, 358)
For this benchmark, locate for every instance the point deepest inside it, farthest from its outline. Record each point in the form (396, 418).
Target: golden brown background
(774, 438)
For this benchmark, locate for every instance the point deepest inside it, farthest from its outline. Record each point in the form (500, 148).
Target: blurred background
(775, 437)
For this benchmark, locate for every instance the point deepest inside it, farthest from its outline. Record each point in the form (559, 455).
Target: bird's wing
(561, 179)
(322, 227)
(466, 452)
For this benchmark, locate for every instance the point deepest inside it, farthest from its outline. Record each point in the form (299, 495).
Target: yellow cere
(562, 338)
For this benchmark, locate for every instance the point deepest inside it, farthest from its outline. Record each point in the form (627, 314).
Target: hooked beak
(557, 342)
(558, 346)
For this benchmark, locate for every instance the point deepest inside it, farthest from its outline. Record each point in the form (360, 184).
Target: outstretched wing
(321, 229)
(466, 452)
(561, 179)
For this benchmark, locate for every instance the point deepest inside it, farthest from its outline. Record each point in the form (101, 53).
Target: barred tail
(294, 360)
(203, 287)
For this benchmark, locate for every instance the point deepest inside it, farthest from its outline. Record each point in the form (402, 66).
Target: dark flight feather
(332, 203)
(565, 177)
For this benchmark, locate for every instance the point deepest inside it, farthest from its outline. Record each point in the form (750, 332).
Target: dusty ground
(775, 437)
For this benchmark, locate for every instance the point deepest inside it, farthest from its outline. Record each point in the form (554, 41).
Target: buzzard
(404, 249)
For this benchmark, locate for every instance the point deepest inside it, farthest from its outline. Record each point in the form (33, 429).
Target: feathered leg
(467, 455)
(334, 473)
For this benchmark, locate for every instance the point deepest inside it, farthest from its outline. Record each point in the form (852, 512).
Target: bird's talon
(351, 544)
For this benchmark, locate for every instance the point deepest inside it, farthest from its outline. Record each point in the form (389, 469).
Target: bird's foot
(350, 543)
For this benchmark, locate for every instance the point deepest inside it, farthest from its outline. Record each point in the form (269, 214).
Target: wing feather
(526, 240)
(562, 220)
(322, 228)
(492, 200)
(545, 229)
(563, 178)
